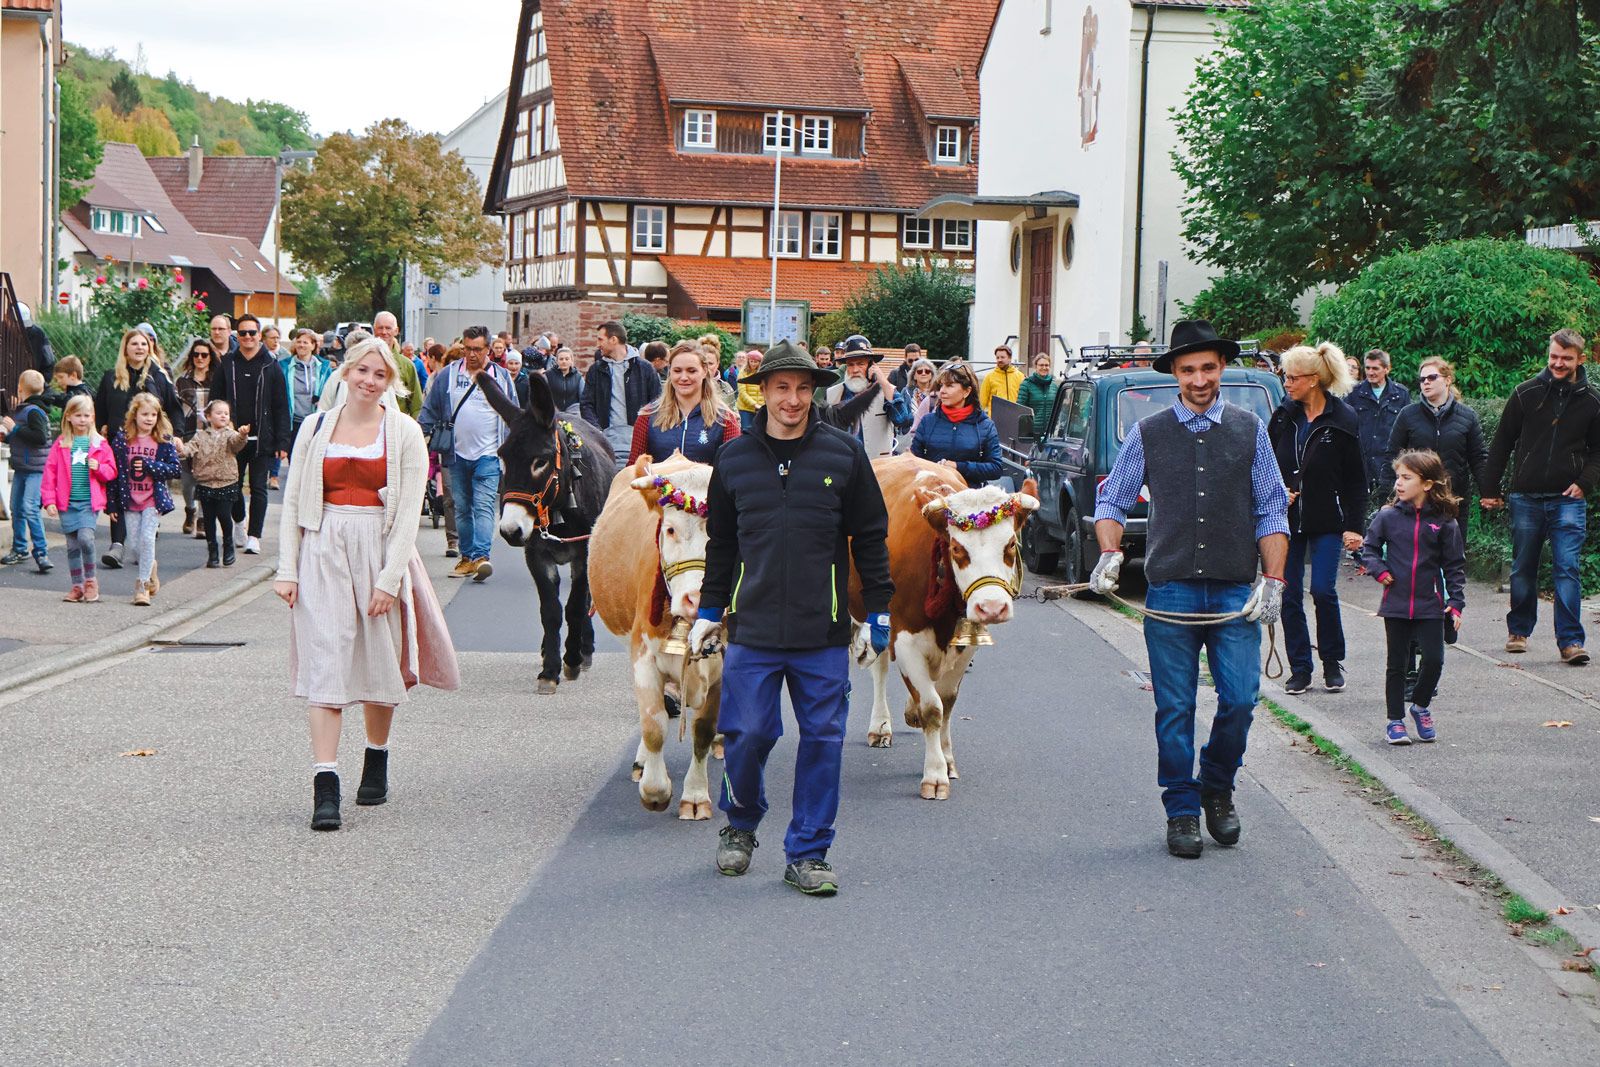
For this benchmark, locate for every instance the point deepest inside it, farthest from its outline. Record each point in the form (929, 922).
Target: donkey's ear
(541, 402)
(504, 406)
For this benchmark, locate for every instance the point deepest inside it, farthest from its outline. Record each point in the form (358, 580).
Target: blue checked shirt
(1120, 491)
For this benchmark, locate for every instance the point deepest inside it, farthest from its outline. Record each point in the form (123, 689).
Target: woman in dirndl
(364, 624)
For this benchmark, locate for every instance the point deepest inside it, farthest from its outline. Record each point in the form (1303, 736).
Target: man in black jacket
(260, 400)
(1377, 402)
(616, 387)
(790, 505)
(1551, 424)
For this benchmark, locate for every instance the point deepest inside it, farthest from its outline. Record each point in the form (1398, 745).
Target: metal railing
(16, 354)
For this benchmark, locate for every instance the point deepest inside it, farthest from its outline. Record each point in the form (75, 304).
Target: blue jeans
(25, 513)
(1562, 522)
(1233, 653)
(751, 721)
(475, 484)
(1324, 551)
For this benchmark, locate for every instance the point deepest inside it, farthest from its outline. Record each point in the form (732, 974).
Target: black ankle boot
(227, 549)
(325, 801)
(213, 556)
(374, 778)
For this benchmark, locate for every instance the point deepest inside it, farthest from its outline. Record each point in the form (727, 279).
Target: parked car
(1096, 405)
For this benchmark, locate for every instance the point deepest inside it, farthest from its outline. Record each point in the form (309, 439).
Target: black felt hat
(1194, 335)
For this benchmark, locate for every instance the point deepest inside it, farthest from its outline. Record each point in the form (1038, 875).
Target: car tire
(1076, 553)
(1040, 555)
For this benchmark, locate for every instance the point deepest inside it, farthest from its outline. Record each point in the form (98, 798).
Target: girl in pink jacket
(76, 472)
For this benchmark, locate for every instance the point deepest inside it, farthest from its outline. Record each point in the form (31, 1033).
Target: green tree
(81, 147)
(154, 297)
(832, 328)
(1239, 305)
(905, 305)
(375, 202)
(146, 128)
(1488, 306)
(228, 146)
(125, 94)
(286, 127)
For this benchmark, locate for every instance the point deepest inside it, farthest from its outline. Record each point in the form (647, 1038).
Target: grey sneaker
(812, 877)
(733, 854)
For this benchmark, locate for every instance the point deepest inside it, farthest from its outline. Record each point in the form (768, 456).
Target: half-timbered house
(637, 152)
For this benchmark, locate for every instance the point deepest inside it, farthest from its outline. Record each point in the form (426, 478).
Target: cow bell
(969, 633)
(677, 642)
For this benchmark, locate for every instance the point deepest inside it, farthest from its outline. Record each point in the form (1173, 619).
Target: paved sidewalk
(1531, 787)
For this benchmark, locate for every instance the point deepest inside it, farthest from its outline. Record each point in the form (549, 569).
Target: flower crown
(982, 520)
(672, 496)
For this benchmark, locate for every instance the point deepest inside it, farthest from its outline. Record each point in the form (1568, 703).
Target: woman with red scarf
(957, 433)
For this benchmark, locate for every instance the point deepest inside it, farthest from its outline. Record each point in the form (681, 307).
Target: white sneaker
(241, 533)
(252, 546)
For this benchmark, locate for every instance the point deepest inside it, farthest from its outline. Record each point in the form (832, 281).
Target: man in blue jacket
(791, 504)
(616, 387)
(1377, 402)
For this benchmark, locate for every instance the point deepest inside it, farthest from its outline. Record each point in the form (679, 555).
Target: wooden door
(1041, 282)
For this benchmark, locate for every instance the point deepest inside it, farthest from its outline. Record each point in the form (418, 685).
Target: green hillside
(165, 115)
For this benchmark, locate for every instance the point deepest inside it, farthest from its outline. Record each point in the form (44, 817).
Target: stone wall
(577, 321)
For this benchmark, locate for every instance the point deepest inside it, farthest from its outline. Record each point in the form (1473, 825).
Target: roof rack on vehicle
(1133, 357)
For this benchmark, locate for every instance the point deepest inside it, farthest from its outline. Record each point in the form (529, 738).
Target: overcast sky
(435, 64)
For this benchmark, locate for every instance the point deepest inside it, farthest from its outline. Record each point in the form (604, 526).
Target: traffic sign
(433, 288)
(64, 299)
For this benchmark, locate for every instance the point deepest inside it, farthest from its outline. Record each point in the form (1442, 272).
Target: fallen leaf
(152, 752)
(1584, 951)
(1558, 723)
(1563, 911)
(966, 718)
(1316, 964)
(1582, 966)
(1511, 666)
(1301, 912)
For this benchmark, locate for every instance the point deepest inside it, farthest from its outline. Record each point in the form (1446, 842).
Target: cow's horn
(1026, 501)
(934, 506)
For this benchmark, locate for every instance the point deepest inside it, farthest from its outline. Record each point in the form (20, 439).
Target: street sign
(433, 288)
(794, 321)
(64, 299)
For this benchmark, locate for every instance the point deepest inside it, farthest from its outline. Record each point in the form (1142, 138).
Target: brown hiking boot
(1574, 656)
(141, 595)
(464, 567)
(1516, 643)
(154, 584)
(188, 520)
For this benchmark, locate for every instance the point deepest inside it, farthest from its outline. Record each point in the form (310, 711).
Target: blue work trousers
(1324, 551)
(1233, 654)
(26, 521)
(475, 484)
(751, 721)
(1563, 522)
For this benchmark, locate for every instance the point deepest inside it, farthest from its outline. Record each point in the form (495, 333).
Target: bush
(915, 305)
(643, 329)
(1486, 305)
(94, 341)
(1240, 304)
(832, 328)
(152, 297)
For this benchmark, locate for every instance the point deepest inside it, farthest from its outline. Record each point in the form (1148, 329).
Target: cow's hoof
(659, 803)
(585, 663)
(935, 791)
(692, 811)
(570, 671)
(877, 740)
(716, 750)
(547, 687)
(638, 771)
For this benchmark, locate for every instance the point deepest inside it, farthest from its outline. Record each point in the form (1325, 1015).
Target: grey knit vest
(1202, 508)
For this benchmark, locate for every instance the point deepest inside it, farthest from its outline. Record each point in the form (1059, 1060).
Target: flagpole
(777, 192)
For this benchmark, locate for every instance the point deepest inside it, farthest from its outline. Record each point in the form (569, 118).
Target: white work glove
(1103, 579)
(705, 637)
(1266, 601)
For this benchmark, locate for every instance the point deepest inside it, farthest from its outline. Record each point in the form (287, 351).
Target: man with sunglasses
(258, 397)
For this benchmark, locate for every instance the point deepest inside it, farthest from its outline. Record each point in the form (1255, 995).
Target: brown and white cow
(653, 531)
(968, 538)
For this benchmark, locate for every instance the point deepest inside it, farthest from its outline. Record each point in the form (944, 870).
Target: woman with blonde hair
(364, 624)
(135, 371)
(1316, 437)
(1441, 423)
(690, 416)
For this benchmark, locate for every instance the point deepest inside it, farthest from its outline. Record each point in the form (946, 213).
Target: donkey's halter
(538, 504)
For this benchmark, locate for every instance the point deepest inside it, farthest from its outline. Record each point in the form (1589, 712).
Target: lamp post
(777, 193)
(286, 158)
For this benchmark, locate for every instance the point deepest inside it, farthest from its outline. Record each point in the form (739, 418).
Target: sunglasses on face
(1430, 377)
(249, 333)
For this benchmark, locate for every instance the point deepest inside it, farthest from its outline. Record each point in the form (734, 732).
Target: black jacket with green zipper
(779, 541)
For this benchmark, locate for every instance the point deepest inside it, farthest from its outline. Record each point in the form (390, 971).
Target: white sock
(318, 768)
(378, 748)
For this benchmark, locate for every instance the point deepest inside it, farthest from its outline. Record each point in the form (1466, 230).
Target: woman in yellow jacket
(750, 399)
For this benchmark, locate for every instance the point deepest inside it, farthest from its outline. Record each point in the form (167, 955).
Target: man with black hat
(866, 403)
(791, 504)
(1217, 505)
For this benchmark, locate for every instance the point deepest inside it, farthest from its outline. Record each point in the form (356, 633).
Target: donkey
(555, 474)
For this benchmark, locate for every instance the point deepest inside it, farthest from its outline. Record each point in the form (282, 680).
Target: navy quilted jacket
(163, 467)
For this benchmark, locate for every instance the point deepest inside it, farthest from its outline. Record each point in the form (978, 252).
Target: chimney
(196, 165)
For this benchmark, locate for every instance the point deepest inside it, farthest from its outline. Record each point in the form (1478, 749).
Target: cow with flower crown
(647, 558)
(954, 556)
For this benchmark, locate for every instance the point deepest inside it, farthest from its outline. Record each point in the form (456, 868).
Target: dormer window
(816, 134)
(947, 144)
(699, 129)
(778, 136)
(123, 223)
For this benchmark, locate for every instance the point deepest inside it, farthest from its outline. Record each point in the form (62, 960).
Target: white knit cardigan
(407, 456)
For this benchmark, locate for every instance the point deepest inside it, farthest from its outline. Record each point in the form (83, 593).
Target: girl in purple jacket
(1414, 549)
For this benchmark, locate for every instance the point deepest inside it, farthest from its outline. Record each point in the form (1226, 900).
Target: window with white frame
(786, 233)
(956, 235)
(816, 134)
(649, 229)
(918, 233)
(827, 231)
(530, 235)
(778, 136)
(548, 218)
(699, 129)
(125, 223)
(947, 144)
(516, 236)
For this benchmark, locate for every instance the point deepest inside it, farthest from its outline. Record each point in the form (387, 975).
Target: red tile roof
(235, 194)
(939, 88)
(28, 5)
(725, 284)
(611, 95)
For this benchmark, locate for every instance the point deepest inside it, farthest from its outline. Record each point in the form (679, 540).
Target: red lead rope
(538, 503)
